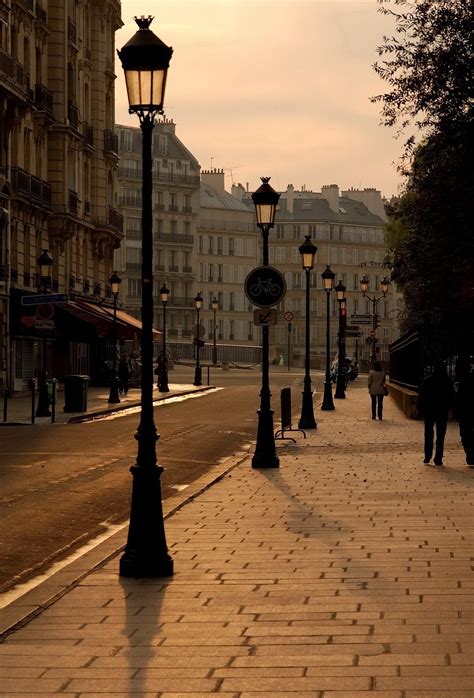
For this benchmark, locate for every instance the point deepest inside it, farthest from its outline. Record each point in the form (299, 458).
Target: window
(231, 246)
(280, 231)
(200, 244)
(126, 140)
(220, 245)
(163, 145)
(173, 227)
(211, 245)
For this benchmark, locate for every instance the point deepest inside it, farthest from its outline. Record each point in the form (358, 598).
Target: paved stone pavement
(346, 573)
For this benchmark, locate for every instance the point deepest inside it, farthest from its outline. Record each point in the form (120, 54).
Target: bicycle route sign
(265, 286)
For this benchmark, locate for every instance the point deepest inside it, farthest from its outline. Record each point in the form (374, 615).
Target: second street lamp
(163, 364)
(45, 262)
(364, 286)
(340, 393)
(307, 421)
(197, 339)
(114, 282)
(215, 308)
(328, 279)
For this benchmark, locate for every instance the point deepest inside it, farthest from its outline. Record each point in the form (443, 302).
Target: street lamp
(265, 199)
(45, 262)
(163, 365)
(340, 393)
(114, 282)
(215, 308)
(328, 279)
(384, 285)
(197, 340)
(145, 60)
(307, 421)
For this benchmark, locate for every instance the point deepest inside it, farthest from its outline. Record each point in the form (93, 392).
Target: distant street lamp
(197, 339)
(145, 60)
(328, 279)
(45, 262)
(163, 364)
(307, 421)
(215, 308)
(340, 393)
(384, 285)
(114, 282)
(265, 199)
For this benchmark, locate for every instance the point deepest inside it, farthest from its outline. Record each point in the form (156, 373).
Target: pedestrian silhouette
(124, 372)
(377, 388)
(465, 408)
(435, 400)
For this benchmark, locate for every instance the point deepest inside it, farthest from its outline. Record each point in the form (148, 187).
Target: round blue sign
(265, 286)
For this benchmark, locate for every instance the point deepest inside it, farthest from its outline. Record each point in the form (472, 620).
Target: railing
(36, 188)
(115, 219)
(87, 207)
(21, 181)
(134, 202)
(73, 115)
(187, 270)
(12, 69)
(88, 134)
(71, 30)
(173, 267)
(72, 202)
(180, 301)
(175, 237)
(47, 194)
(27, 4)
(134, 266)
(161, 176)
(160, 207)
(208, 224)
(187, 209)
(110, 142)
(159, 267)
(43, 99)
(173, 207)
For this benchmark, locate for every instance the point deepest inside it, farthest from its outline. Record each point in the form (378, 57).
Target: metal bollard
(5, 404)
(33, 399)
(208, 374)
(53, 405)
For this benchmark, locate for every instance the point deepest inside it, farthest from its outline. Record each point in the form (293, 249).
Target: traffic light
(343, 312)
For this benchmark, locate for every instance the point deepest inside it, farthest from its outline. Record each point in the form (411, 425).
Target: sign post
(288, 316)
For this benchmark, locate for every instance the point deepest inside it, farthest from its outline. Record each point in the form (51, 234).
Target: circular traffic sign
(288, 316)
(265, 286)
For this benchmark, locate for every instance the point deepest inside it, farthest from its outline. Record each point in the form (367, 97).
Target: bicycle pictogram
(265, 287)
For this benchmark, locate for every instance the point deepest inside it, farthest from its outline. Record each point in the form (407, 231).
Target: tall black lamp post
(215, 308)
(265, 199)
(163, 386)
(114, 282)
(364, 285)
(340, 393)
(328, 279)
(45, 262)
(197, 370)
(307, 421)
(145, 60)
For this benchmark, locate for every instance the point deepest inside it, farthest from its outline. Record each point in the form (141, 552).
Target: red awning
(103, 318)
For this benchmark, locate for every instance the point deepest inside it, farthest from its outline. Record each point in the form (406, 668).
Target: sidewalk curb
(31, 604)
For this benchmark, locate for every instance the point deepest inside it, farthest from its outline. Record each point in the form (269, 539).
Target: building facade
(57, 178)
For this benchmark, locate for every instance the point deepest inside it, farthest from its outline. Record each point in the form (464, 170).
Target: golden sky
(274, 87)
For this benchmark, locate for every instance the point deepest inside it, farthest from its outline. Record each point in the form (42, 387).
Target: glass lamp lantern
(308, 253)
(328, 277)
(198, 301)
(164, 293)
(115, 282)
(215, 304)
(384, 284)
(45, 262)
(340, 292)
(364, 284)
(265, 200)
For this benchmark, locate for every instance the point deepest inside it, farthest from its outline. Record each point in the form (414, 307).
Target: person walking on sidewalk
(377, 388)
(124, 372)
(435, 400)
(465, 408)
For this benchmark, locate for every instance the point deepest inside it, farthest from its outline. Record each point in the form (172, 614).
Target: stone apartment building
(347, 228)
(57, 181)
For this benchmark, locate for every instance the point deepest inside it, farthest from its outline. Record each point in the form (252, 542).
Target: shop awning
(103, 319)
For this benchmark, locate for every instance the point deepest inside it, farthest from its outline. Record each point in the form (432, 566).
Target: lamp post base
(265, 451)
(146, 554)
(114, 396)
(307, 420)
(163, 386)
(328, 403)
(197, 376)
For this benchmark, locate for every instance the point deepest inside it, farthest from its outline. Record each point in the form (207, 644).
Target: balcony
(36, 188)
(88, 134)
(178, 178)
(174, 237)
(73, 115)
(71, 30)
(110, 142)
(187, 209)
(160, 207)
(173, 267)
(159, 267)
(73, 202)
(21, 181)
(130, 173)
(41, 14)
(173, 207)
(187, 270)
(43, 99)
(115, 219)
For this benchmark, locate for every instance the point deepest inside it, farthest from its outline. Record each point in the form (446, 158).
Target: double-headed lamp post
(328, 277)
(114, 282)
(197, 370)
(215, 308)
(384, 285)
(340, 393)
(145, 60)
(45, 262)
(307, 421)
(265, 199)
(163, 366)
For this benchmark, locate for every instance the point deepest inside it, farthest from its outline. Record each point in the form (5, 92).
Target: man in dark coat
(465, 408)
(435, 400)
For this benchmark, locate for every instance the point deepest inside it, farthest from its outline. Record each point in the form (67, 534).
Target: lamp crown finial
(144, 22)
(265, 180)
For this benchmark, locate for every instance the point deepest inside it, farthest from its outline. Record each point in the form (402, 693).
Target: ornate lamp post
(197, 370)
(340, 393)
(265, 200)
(384, 285)
(215, 308)
(163, 368)
(45, 262)
(307, 421)
(114, 282)
(145, 60)
(328, 279)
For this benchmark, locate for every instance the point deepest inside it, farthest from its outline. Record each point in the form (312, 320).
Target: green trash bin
(75, 393)
(52, 384)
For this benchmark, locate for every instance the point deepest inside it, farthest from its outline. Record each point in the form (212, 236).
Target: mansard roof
(210, 198)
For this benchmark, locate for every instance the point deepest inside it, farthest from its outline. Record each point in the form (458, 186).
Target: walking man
(435, 400)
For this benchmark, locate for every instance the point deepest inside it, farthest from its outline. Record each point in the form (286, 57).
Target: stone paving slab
(346, 573)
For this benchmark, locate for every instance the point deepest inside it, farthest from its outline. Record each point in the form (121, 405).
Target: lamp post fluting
(384, 285)
(45, 262)
(215, 308)
(265, 199)
(307, 421)
(114, 282)
(328, 279)
(145, 60)
(163, 386)
(197, 339)
(340, 393)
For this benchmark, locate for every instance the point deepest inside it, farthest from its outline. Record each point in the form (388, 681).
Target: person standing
(124, 371)
(435, 400)
(377, 388)
(465, 408)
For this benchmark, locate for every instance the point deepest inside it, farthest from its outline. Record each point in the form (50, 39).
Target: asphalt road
(61, 483)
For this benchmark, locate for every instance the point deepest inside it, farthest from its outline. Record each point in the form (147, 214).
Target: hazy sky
(274, 87)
